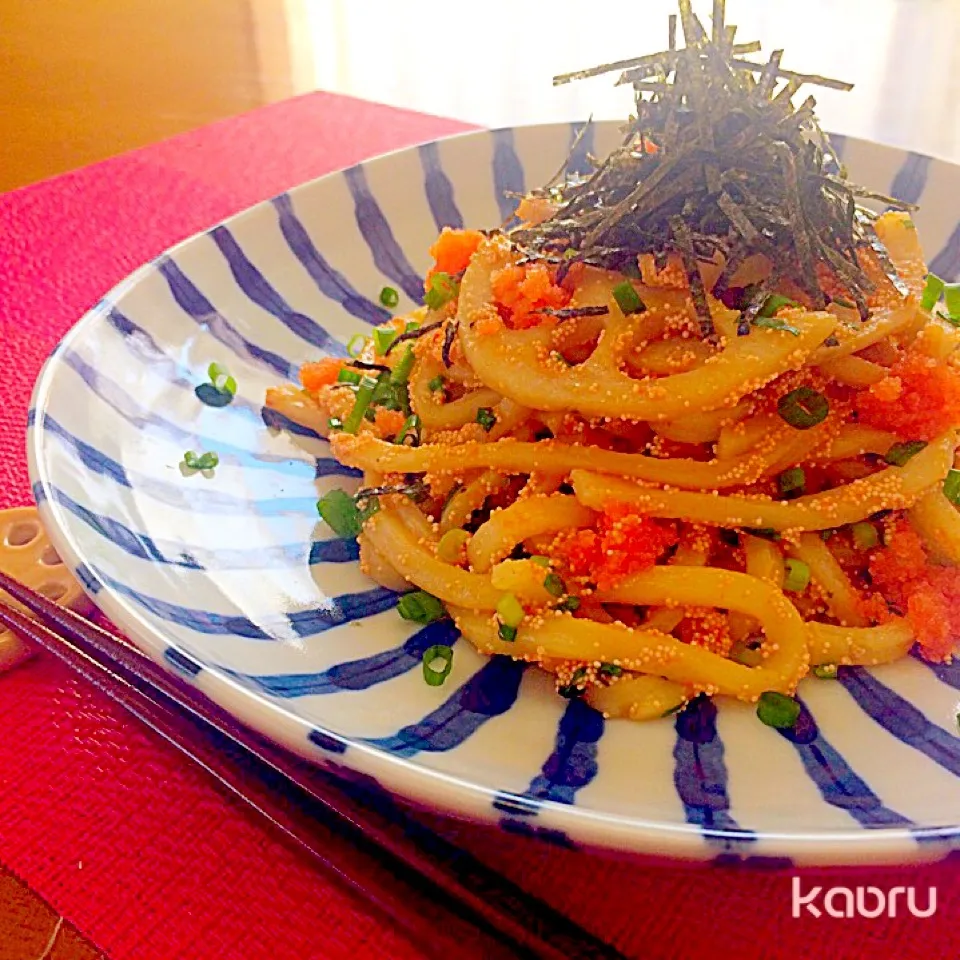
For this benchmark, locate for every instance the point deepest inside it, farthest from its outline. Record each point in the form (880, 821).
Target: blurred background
(81, 80)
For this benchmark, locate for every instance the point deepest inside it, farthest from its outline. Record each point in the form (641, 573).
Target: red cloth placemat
(138, 849)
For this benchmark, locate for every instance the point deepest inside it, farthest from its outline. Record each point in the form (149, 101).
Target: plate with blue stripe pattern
(233, 584)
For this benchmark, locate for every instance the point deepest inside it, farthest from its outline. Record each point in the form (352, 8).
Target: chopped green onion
(792, 481)
(775, 323)
(411, 325)
(827, 534)
(843, 302)
(932, 290)
(389, 297)
(411, 427)
(540, 560)
(506, 633)
(451, 544)
(610, 670)
(569, 604)
(554, 585)
(510, 611)
(573, 688)
(772, 304)
(900, 453)
(743, 652)
(569, 253)
(438, 653)
(951, 487)
(796, 575)
(865, 535)
(334, 423)
(356, 344)
(803, 408)
(764, 533)
(192, 459)
(443, 288)
(340, 513)
(420, 607)
(777, 710)
(382, 338)
(208, 461)
(401, 372)
(221, 379)
(486, 418)
(365, 391)
(826, 671)
(346, 375)
(628, 300)
(435, 384)
(951, 298)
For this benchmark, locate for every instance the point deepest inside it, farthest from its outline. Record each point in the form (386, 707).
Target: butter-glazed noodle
(701, 469)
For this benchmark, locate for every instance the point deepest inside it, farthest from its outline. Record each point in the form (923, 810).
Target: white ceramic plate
(233, 584)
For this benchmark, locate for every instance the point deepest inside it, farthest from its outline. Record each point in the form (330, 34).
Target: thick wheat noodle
(892, 488)
(459, 508)
(552, 456)
(638, 697)
(650, 651)
(866, 646)
(435, 415)
(937, 522)
(524, 518)
(839, 593)
(513, 362)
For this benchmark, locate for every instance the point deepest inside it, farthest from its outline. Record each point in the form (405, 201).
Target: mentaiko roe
(520, 291)
(927, 594)
(918, 400)
(623, 543)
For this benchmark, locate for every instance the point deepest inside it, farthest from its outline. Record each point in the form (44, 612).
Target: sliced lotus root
(27, 555)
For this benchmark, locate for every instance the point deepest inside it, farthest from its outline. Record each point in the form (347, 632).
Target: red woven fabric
(131, 843)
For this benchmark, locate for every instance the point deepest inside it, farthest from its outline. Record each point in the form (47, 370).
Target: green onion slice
(900, 453)
(951, 297)
(777, 710)
(506, 632)
(932, 290)
(554, 585)
(865, 535)
(628, 300)
(775, 323)
(743, 652)
(437, 664)
(796, 575)
(486, 418)
(401, 372)
(356, 344)
(208, 461)
(382, 338)
(435, 384)
(221, 379)
(365, 391)
(510, 610)
(803, 408)
(793, 481)
(442, 289)
(610, 670)
(340, 513)
(569, 604)
(420, 607)
(772, 304)
(411, 428)
(951, 487)
(574, 688)
(389, 297)
(346, 375)
(826, 671)
(540, 560)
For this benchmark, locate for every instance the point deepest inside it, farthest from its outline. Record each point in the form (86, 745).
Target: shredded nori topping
(717, 159)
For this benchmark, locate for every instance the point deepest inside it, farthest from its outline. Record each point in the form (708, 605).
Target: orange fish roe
(710, 630)
(929, 595)
(625, 542)
(918, 401)
(453, 249)
(520, 291)
(313, 376)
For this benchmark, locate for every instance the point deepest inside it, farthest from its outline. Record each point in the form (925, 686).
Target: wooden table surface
(81, 80)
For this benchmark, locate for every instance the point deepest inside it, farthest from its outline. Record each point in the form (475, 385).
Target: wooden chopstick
(439, 894)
